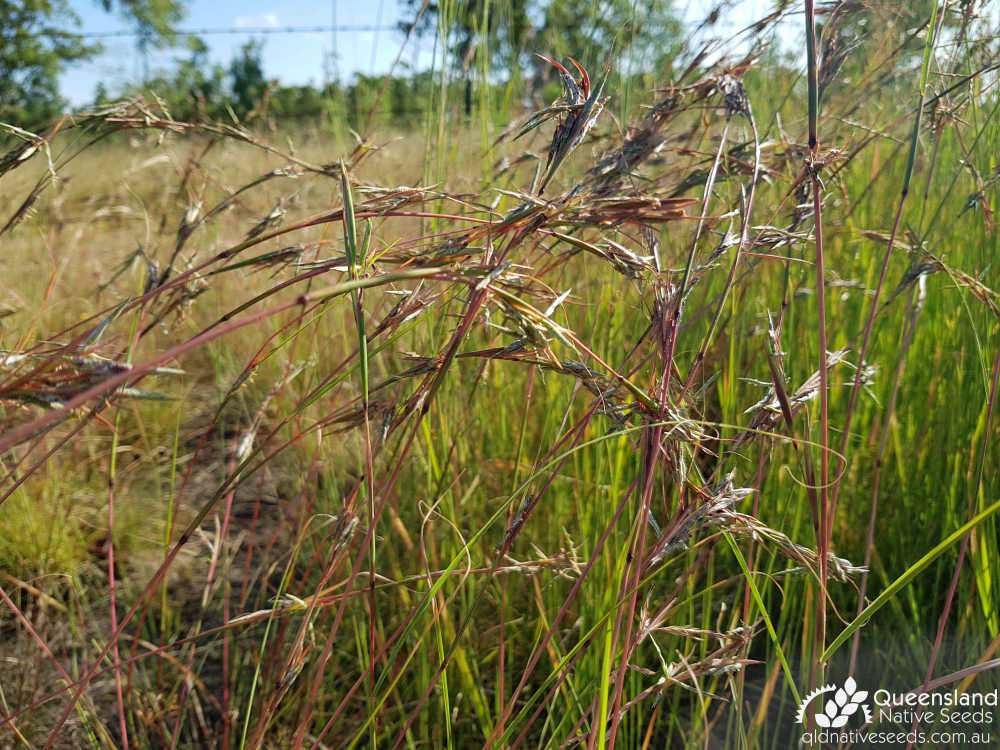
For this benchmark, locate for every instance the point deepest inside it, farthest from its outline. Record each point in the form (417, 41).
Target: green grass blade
(908, 575)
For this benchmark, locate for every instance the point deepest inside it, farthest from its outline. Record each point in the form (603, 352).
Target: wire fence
(243, 30)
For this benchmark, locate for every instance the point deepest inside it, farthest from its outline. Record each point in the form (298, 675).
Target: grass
(452, 440)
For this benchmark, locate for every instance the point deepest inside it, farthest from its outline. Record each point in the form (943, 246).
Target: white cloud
(269, 20)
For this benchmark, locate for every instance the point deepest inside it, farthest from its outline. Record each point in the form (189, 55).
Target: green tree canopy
(154, 19)
(505, 25)
(642, 35)
(37, 40)
(247, 83)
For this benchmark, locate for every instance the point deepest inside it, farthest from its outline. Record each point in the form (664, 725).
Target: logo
(847, 715)
(836, 711)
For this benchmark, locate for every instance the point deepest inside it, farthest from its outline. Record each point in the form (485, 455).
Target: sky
(292, 58)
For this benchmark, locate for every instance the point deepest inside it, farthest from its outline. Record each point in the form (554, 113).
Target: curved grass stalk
(904, 192)
(908, 575)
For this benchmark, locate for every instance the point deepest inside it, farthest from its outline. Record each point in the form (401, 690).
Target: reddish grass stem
(825, 531)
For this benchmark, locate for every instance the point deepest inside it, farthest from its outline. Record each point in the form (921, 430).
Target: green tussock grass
(455, 439)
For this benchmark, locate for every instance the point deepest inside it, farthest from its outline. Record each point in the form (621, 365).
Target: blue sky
(292, 58)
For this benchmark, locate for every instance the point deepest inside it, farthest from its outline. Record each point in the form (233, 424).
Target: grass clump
(550, 454)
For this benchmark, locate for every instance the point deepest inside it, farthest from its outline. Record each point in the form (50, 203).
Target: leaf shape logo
(840, 705)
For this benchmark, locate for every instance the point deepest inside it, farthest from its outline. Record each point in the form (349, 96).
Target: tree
(642, 36)
(201, 81)
(505, 23)
(33, 45)
(194, 89)
(501, 27)
(154, 19)
(247, 84)
(36, 41)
